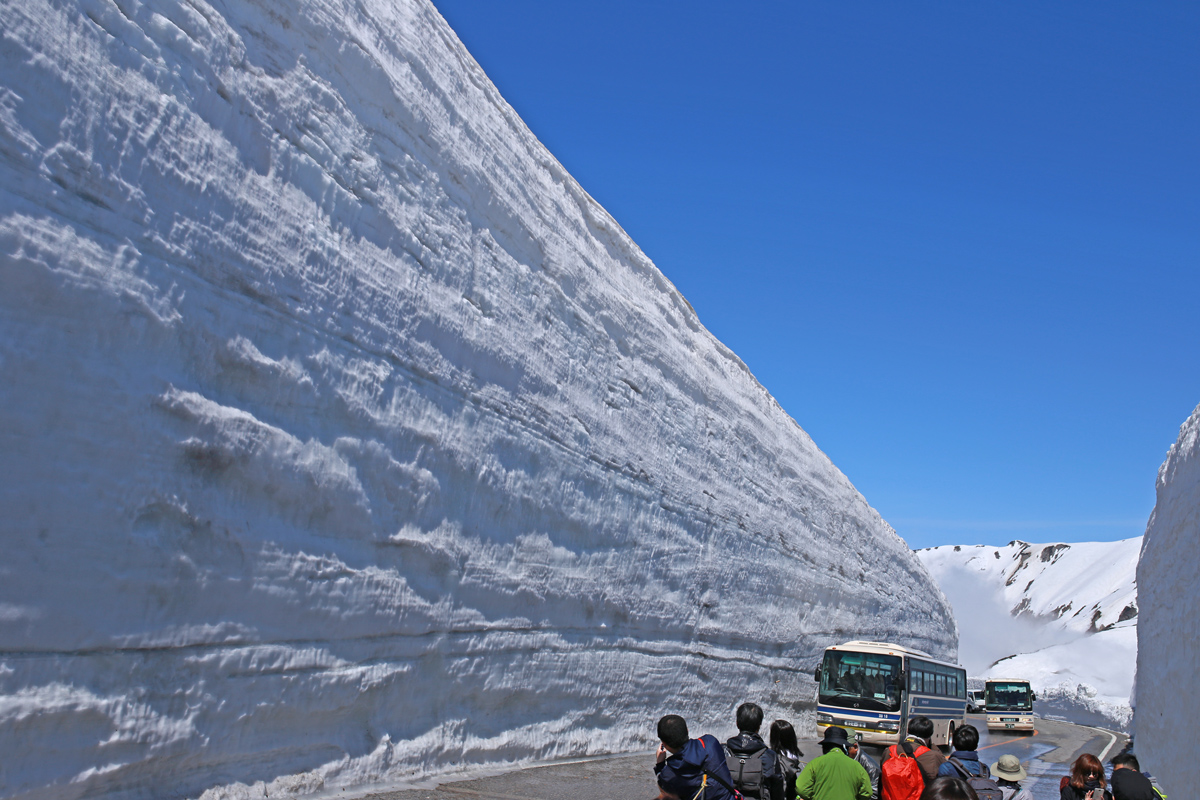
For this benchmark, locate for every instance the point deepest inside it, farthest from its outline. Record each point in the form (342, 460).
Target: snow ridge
(1063, 616)
(1169, 631)
(345, 439)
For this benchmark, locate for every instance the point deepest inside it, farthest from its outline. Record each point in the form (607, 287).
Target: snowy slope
(1064, 616)
(344, 437)
(1169, 630)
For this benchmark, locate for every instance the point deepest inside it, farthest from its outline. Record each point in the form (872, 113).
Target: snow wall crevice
(344, 438)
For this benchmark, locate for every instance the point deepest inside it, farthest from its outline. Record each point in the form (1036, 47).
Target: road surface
(1047, 755)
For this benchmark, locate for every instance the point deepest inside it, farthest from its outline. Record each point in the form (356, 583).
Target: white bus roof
(1006, 680)
(883, 647)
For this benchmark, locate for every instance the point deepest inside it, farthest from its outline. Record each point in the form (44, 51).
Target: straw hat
(1009, 768)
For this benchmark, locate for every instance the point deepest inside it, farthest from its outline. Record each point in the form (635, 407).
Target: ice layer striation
(344, 437)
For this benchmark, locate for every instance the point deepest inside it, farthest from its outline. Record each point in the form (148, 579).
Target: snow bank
(1086, 680)
(1168, 706)
(345, 438)
(1063, 616)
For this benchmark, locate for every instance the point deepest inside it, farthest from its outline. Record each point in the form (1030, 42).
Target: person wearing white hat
(1008, 774)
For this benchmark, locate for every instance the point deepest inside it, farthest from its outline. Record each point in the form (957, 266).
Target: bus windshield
(860, 680)
(1008, 697)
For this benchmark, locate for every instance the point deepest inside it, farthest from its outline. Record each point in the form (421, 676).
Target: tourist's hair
(920, 726)
(749, 717)
(966, 738)
(1083, 765)
(672, 731)
(783, 737)
(1126, 760)
(944, 788)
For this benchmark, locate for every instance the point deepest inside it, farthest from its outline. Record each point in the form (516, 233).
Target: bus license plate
(1008, 724)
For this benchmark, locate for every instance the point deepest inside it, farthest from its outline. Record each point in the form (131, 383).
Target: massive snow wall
(1169, 622)
(345, 436)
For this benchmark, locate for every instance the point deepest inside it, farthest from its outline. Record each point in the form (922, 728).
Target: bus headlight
(887, 726)
(824, 719)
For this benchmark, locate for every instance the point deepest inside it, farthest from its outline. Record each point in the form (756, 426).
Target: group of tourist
(748, 767)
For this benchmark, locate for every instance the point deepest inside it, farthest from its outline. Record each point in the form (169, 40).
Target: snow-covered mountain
(1063, 616)
(1169, 632)
(345, 438)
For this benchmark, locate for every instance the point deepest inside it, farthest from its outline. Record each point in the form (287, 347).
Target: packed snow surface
(1062, 616)
(1168, 706)
(345, 438)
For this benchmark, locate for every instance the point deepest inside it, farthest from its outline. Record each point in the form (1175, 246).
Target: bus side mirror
(1033, 697)
(817, 675)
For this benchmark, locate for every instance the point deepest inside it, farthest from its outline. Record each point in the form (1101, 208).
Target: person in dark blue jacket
(966, 739)
(685, 766)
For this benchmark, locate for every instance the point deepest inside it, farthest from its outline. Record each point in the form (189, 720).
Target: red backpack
(901, 774)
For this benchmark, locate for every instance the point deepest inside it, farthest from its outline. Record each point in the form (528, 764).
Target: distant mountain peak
(1064, 614)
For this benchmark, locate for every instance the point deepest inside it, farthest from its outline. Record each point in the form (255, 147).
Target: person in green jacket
(834, 775)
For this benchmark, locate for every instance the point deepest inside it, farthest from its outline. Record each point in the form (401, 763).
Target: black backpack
(746, 771)
(789, 766)
(984, 786)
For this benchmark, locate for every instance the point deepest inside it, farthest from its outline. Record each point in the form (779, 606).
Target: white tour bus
(1009, 704)
(874, 688)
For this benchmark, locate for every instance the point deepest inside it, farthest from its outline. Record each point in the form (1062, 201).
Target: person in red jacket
(929, 758)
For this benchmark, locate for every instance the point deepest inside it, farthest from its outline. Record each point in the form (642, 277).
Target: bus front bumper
(1010, 722)
(872, 731)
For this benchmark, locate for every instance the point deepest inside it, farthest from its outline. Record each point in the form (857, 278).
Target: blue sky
(957, 241)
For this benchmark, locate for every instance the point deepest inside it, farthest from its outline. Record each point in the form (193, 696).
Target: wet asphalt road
(1047, 755)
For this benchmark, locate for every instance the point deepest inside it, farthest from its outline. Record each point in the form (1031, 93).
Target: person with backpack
(1009, 773)
(691, 769)
(856, 752)
(964, 763)
(752, 765)
(965, 740)
(901, 776)
(787, 751)
(834, 775)
(929, 758)
(1086, 781)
